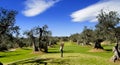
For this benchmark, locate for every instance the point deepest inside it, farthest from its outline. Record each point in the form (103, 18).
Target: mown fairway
(73, 55)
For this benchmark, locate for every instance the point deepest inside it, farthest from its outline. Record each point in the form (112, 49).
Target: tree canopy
(7, 28)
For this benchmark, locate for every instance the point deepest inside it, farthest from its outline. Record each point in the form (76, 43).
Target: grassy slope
(73, 55)
(10, 56)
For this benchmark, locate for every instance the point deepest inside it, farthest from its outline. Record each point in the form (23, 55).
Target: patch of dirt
(39, 52)
(96, 50)
(12, 49)
(116, 62)
(105, 42)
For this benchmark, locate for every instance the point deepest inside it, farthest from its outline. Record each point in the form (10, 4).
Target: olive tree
(7, 28)
(43, 35)
(108, 26)
(31, 35)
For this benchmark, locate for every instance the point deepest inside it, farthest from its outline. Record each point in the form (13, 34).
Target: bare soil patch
(96, 50)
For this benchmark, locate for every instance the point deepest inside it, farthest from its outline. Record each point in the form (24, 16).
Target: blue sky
(63, 17)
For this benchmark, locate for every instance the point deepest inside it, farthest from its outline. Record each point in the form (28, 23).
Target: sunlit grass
(73, 55)
(10, 56)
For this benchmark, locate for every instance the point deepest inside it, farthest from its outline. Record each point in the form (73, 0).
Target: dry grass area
(97, 50)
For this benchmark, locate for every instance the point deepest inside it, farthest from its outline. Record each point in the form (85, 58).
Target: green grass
(11, 56)
(73, 55)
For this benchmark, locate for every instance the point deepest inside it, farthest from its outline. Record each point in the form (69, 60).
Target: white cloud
(35, 7)
(89, 13)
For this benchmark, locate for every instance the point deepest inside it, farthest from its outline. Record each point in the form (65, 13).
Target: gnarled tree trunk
(34, 44)
(116, 49)
(40, 38)
(98, 44)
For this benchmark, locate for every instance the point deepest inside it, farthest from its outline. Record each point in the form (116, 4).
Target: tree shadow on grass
(68, 51)
(1, 63)
(54, 52)
(31, 61)
(40, 61)
(2, 56)
(35, 61)
(108, 50)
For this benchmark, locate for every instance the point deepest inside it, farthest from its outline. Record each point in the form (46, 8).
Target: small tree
(44, 35)
(87, 36)
(75, 37)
